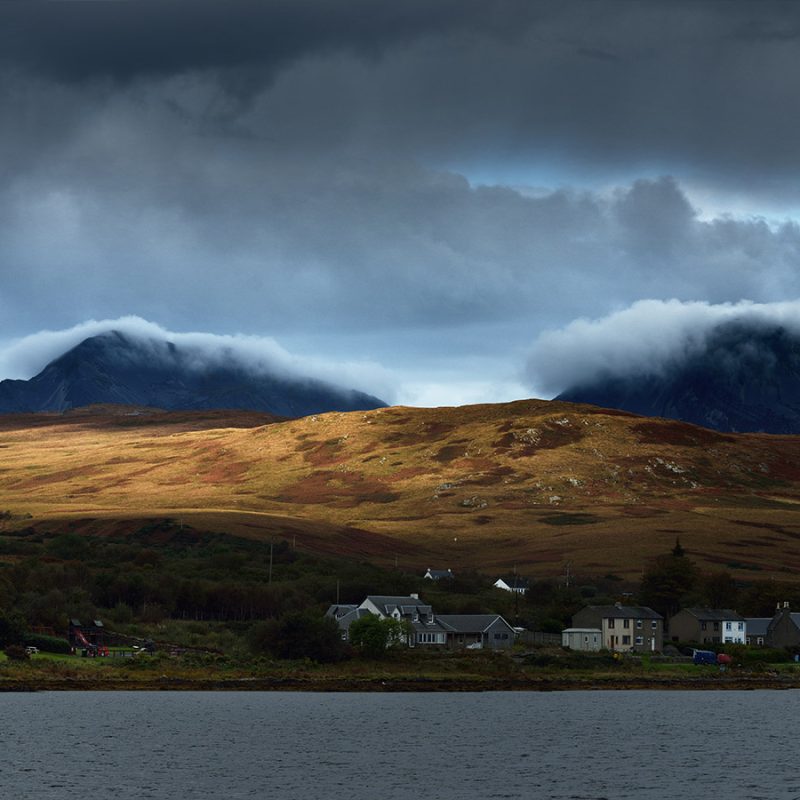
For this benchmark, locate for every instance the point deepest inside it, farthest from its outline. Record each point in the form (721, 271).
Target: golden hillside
(534, 484)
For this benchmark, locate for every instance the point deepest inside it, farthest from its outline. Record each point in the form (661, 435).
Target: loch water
(373, 746)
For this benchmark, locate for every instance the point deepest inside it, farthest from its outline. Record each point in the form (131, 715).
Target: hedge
(50, 644)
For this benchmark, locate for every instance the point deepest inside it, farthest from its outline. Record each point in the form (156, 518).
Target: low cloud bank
(26, 356)
(647, 338)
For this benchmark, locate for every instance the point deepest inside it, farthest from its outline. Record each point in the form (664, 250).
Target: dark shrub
(16, 652)
(49, 644)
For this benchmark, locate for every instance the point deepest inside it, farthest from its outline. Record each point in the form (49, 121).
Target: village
(618, 628)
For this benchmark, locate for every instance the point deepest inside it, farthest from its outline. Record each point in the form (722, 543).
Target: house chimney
(786, 604)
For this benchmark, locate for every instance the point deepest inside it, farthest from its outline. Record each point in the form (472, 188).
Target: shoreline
(407, 684)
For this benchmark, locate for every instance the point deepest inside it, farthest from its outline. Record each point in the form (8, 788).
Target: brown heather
(532, 484)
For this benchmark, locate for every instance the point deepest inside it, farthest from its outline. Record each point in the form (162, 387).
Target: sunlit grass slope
(534, 484)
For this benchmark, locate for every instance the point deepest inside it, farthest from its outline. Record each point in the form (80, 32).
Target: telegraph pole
(270, 561)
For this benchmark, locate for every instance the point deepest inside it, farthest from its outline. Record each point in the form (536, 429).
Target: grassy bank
(401, 671)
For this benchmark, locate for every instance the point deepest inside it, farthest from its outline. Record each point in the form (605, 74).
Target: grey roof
(757, 626)
(428, 627)
(470, 623)
(625, 612)
(338, 610)
(715, 614)
(345, 616)
(794, 616)
(406, 605)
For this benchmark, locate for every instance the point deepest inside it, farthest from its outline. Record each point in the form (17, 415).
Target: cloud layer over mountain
(25, 357)
(649, 338)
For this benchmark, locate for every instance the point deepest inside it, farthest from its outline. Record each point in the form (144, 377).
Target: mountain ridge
(114, 368)
(744, 379)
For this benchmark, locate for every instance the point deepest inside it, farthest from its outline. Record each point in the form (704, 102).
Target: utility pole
(270, 561)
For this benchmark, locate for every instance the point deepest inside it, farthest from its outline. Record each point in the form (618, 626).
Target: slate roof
(757, 626)
(346, 615)
(715, 614)
(406, 605)
(428, 627)
(625, 612)
(469, 623)
(340, 610)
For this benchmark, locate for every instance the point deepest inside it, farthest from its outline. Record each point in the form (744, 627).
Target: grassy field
(529, 484)
(401, 671)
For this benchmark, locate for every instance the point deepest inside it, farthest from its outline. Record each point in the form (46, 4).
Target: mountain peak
(114, 367)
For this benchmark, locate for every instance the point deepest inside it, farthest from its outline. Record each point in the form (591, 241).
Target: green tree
(668, 580)
(69, 546)
(373, 636)
(719, 590)
(299, 635)
(12, 628)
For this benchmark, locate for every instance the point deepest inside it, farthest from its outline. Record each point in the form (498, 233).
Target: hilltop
(534, 484)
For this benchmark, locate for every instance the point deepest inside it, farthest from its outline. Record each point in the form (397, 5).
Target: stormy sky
(442, 196)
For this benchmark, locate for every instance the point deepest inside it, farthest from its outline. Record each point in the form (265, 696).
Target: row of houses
(426, 628)
(640, 629)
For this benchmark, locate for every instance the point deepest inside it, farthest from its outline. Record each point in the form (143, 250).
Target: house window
(640, 640)
(626, 640)
(626, 623)
(716, 626)
(728, 626)
(611, 623)
(760, 640)
(654, 624)
(639, 624)
(741, 626)
(703, 626)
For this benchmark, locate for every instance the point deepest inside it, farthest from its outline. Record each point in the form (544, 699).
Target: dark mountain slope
(746, 379)
(115, 368)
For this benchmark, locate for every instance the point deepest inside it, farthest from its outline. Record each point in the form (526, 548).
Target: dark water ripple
(561, 745)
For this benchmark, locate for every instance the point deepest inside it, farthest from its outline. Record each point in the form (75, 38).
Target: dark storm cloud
(430, 165)
(591, 89)
(76, 41)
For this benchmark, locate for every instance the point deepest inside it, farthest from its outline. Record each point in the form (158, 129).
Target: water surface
(576, 745)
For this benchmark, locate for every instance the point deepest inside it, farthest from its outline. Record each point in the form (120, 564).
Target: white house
(512, 583)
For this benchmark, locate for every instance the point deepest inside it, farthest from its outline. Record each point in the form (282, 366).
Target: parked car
(704, 657)
(31, 650)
